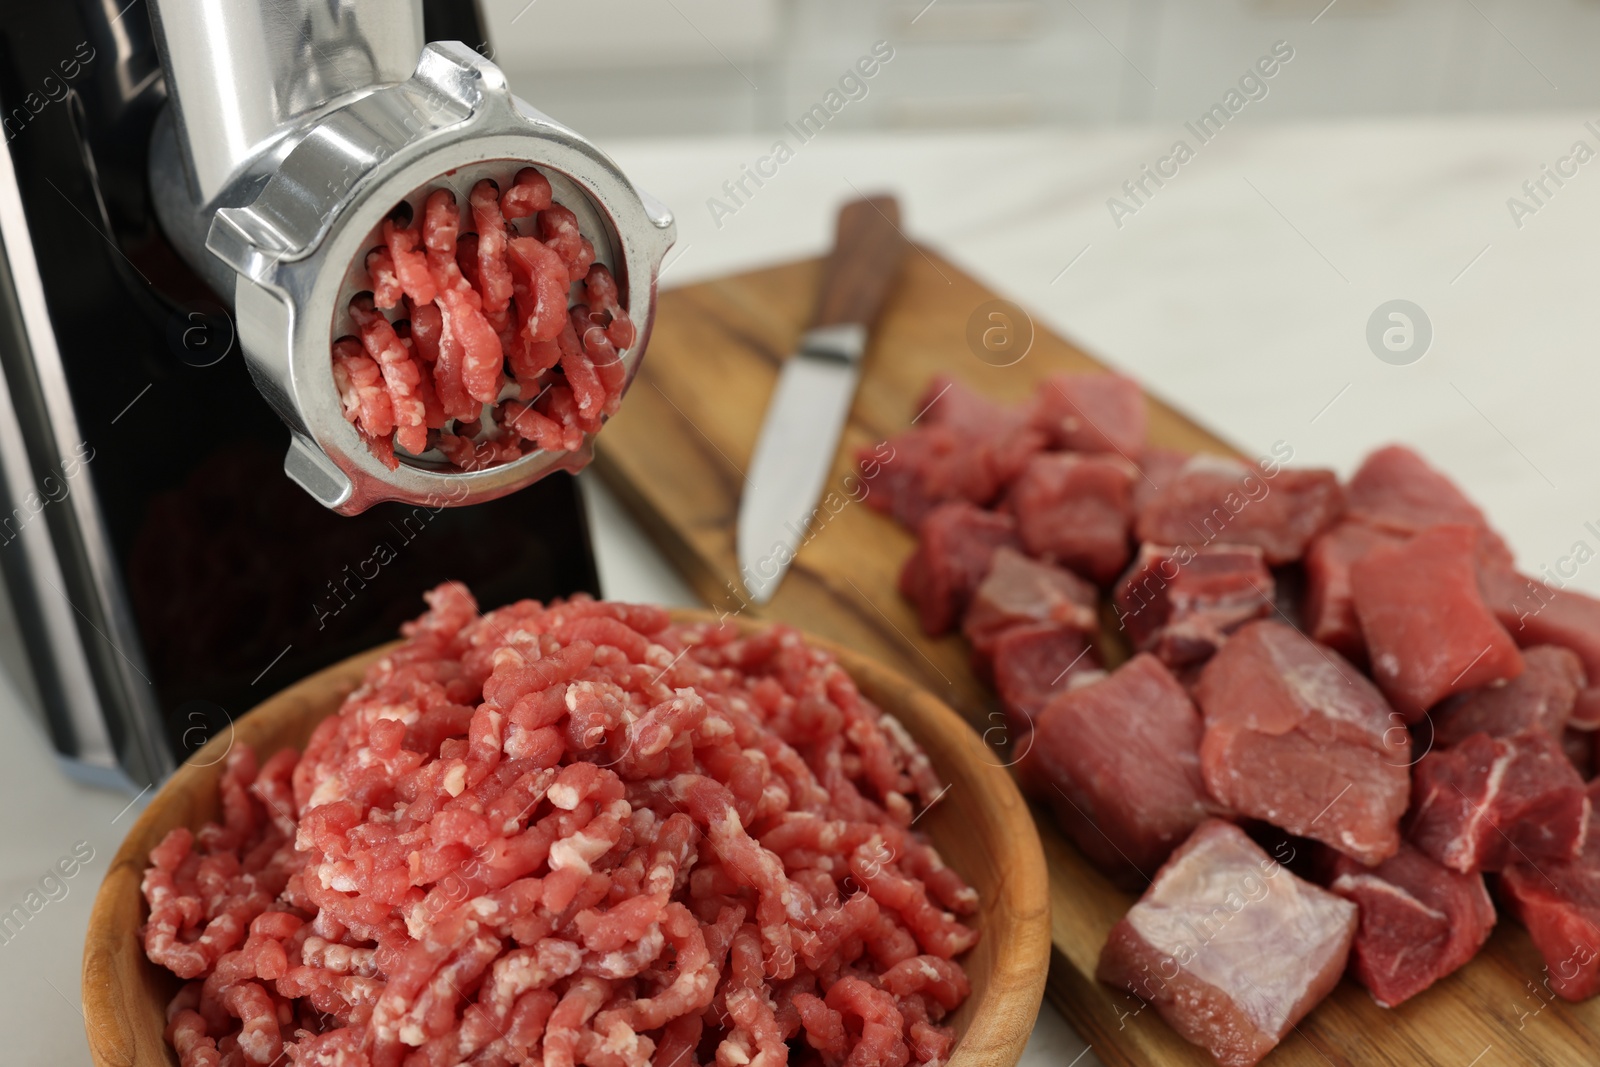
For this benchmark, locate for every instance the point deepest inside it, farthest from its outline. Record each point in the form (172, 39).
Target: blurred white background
(744, 66)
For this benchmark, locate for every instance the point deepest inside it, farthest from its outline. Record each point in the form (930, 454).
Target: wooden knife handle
(868, 249)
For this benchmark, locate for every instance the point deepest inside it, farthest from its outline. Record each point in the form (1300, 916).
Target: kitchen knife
(800, 434)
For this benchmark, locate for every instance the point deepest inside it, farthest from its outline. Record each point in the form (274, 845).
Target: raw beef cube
(1118, 762)
(1021, 590)
(1074, 509)
(1537, 614)
(1490, 801)
(1157, 466)
(1007, 452)
(913, 472)
(955, 545)
(1231, 948)
(1032, 664)
(1330, 611)
(963, 447)
(1538, 700)
(1396, 489)
(910, 474)
(1419, 921)
(1214, 498)
(1092, 413)
(1559, 903)
(1001, 436)
(1181, 603)
(1428, 632)
(1299, 738)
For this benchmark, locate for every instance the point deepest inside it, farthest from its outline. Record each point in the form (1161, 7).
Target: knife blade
(806, 415)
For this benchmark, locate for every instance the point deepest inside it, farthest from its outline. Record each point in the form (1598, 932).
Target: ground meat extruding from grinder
(471, 313)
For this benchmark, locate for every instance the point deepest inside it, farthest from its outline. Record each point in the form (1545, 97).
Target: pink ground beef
(460, 323)
(570, 834)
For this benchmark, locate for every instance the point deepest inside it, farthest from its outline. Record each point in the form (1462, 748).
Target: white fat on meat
(1236, 920)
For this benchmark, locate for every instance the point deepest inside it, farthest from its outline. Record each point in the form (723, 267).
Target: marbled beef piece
(962, 447)
(1075, 509)
(1539, 699)
(1491, 801)
(1019, 590)
(955, 545)
(1537, 614)
(1092, 413)
(1428, 631)
(1181, 603)
(1559, 903)
(1231, 948)
(1216, 499)
(1299, 738)
(1419, 921)
(1118, 762)
(1033, 663)
(1395, 489)
(1329, 608)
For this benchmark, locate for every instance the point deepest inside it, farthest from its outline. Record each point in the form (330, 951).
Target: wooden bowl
(980, 824)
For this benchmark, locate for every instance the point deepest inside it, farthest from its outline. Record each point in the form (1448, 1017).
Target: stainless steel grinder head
(284, 232)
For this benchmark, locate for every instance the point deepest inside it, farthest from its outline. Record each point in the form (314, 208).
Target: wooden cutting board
(676, 456)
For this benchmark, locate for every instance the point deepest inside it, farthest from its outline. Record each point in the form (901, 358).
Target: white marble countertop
(1240, 290)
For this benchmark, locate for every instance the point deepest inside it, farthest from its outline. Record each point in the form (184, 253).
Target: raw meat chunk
(1092, 413)
(1428, 632)
(1074, 509)
(1395, 489)
(1537, 614)
(1021, 590)
(963, 447)
(1329, 612)
(1000, 436)
(1118, 761)
(1559, 903)
(930, 465)
(1298, 737)
(1006, 450)
(1490, 801)
(1538, 700)
(1032, 664)
(1231, 948)
(1214, 498)
(1419, 921)
(1157, 467)
(1181, 603)
(955, 545)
